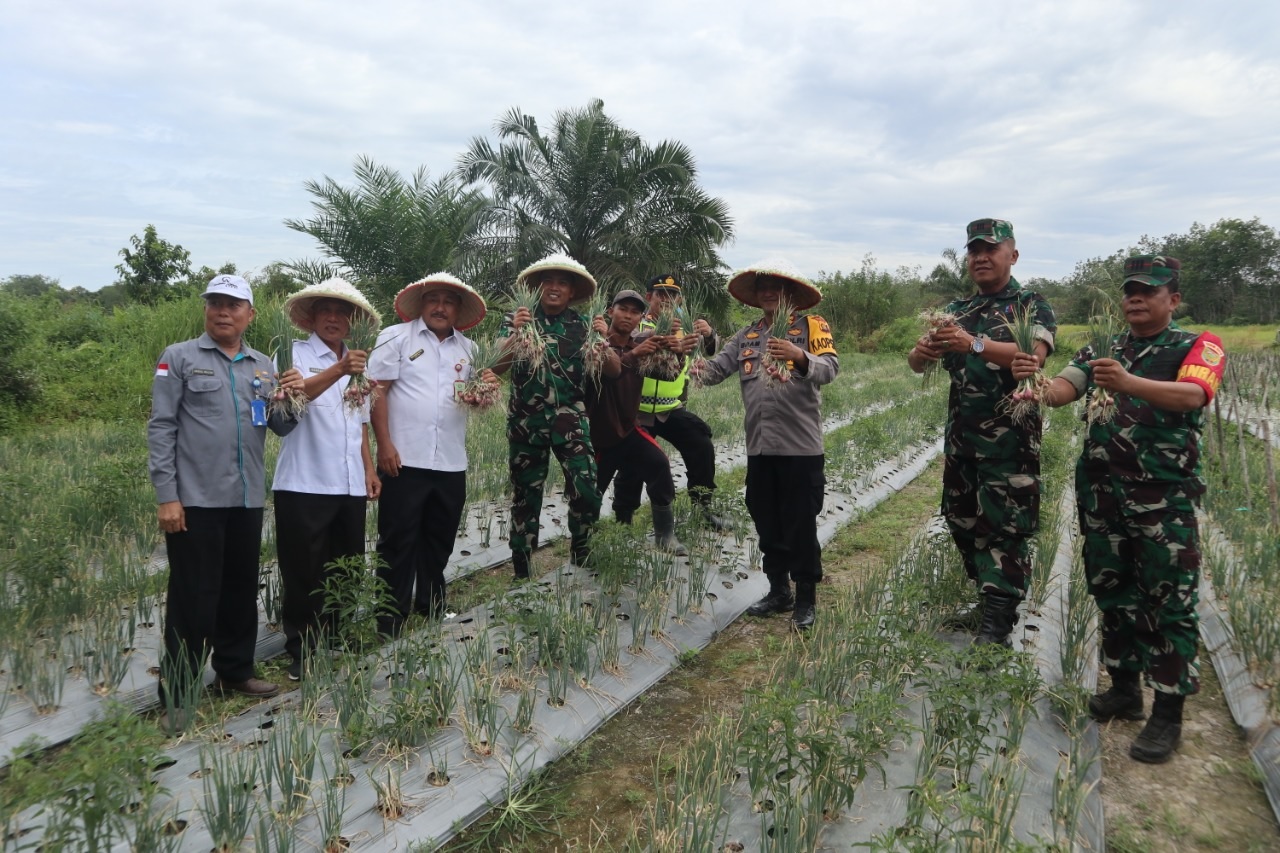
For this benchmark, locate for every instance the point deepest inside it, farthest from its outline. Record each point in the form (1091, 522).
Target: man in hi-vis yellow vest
(663, 415)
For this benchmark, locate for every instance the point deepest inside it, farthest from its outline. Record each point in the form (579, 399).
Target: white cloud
(832, 129)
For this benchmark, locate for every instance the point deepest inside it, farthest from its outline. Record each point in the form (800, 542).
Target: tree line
(585, 186)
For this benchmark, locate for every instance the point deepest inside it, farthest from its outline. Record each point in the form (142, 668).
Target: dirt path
(590, 800)
(1208, 797)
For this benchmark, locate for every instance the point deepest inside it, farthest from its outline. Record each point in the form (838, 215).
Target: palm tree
(951, 278)
(385, 231)
(597, 192)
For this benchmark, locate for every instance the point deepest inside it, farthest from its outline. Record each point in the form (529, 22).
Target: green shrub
(898, 336)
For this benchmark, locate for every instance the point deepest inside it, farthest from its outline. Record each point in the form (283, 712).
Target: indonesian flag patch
(1204, 364)
(162, 369)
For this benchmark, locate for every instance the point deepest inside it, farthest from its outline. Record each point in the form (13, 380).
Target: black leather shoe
(777, 601)
(1123, 701)
(803, 617)
(1162, 733)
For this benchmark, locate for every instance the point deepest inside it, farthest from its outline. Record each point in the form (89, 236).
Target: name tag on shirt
(201, 371)
(416, 354)
(258, 412)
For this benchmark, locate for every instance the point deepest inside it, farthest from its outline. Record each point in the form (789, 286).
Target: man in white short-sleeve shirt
(420, 429)
(325, 476)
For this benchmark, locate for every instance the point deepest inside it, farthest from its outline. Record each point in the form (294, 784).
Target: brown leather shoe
(255, 687)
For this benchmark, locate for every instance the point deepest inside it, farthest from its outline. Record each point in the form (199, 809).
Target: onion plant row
(375, 730)
(806, 757)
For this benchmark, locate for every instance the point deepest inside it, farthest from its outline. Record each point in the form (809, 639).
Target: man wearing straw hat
(325, 476)
(781, 380)
(991, 471)
(547, 411)
(422, 458)
(206, 440)
(1137, 488)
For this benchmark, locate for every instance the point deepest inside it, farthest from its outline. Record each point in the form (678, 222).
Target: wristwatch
(977, 346)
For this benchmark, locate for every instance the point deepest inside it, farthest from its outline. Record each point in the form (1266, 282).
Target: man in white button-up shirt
(325, 476)
(420, 428)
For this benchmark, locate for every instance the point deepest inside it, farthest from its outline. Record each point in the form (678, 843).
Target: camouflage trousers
(992, 508)
(528, 464)
(1142, 559)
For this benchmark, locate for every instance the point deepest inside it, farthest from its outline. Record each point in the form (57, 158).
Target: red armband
(1204, 364)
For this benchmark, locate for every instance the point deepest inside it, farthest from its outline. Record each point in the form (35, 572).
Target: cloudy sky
(832, 129)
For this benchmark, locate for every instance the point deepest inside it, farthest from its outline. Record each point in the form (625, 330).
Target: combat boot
(520, 562)
(779, 599)
(664, 530)
(1162, 733)
(1123, 701)
(999, 615)
(806, 606)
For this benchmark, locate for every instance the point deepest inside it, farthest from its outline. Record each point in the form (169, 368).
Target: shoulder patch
(820, 340)
(1204, 364)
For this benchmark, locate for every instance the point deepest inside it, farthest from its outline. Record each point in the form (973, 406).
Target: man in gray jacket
(782, 398)
(206, 436)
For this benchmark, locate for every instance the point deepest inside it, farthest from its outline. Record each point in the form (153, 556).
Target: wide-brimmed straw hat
(470, 312)
(584, 284)
(301, 305)
(742, 284)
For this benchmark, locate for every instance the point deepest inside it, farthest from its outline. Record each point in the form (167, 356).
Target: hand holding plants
(1025, 401)
(1103, 331)
(482, 390)
(1109, 374)
(775, 360)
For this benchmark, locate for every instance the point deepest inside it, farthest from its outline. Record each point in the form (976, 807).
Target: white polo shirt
(426, 423)
(322, 455)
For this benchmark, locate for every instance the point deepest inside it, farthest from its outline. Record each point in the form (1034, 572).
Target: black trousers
(418, 517)
(691, 437)
(311, 532)
(213, 597)
(641, 457)
(784, 497)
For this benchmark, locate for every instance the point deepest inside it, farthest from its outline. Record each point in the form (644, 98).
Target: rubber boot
(520, 562)
(999, 615)
(1123, 701)
(806, 606)
(664, 530)
(1162, 733)
(779, 599)
(623, 516)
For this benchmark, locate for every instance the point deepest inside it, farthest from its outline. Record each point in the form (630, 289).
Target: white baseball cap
(229, 285)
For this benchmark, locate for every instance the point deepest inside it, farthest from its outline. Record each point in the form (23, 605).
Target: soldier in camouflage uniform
(547, 409)
(1137, 486)
(991, 477)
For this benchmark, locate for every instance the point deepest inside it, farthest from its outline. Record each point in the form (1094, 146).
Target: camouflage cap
(989, 230)
(1152, 270)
